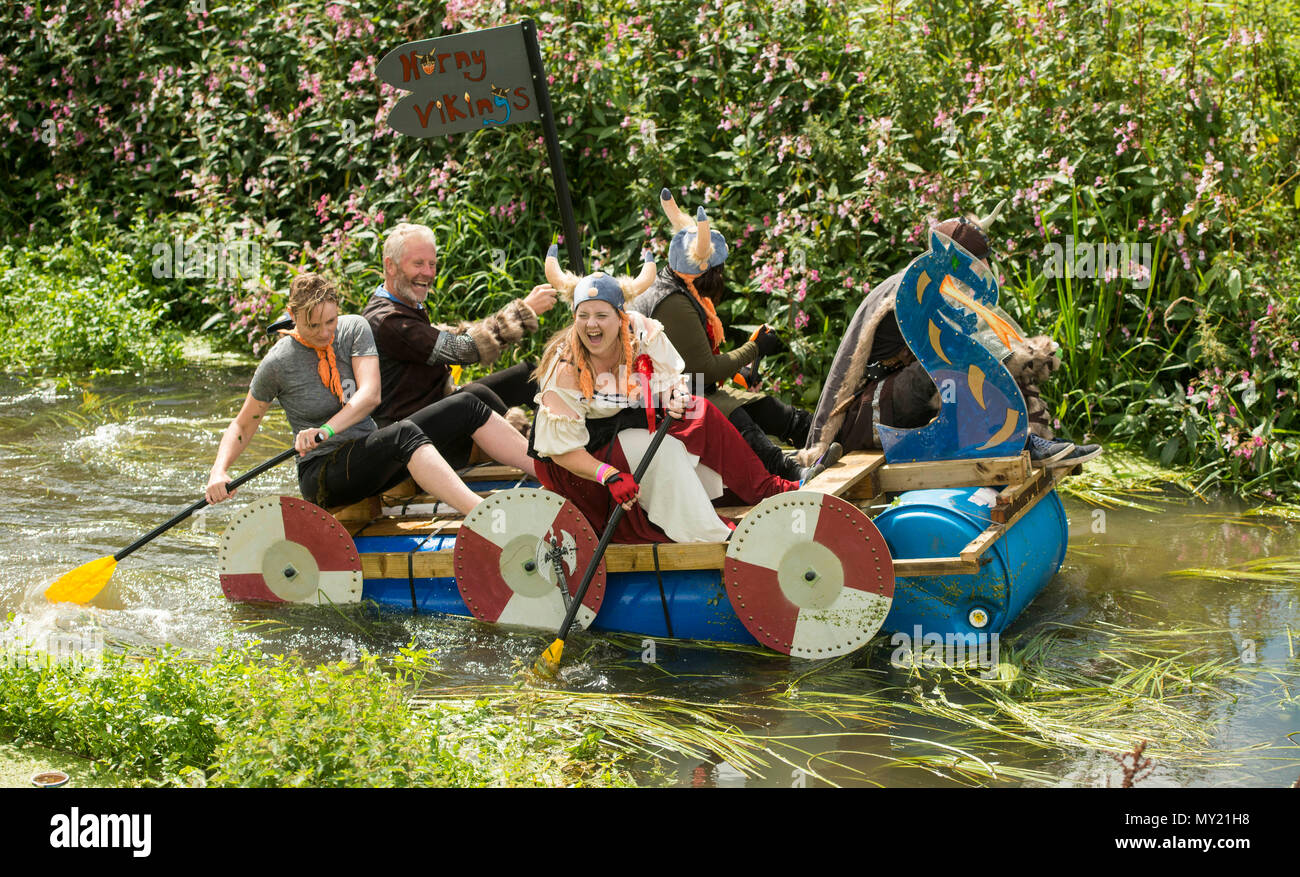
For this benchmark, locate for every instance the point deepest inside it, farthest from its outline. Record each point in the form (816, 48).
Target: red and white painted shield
(809, 575)
(512, 551)
(286, 550)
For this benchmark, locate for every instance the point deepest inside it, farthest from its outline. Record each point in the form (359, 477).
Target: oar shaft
(163, 528)
(605, 537)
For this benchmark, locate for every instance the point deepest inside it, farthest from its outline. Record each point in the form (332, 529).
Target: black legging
(363, 467)
(775, 417)
(770, 416)
(505, 389)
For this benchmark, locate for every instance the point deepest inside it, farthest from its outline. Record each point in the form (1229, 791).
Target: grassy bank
(1059, 694)
(243, 719)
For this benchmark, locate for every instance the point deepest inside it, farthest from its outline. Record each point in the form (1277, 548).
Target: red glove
(623, 488)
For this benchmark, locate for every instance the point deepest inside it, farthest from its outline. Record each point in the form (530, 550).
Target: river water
(84, 470)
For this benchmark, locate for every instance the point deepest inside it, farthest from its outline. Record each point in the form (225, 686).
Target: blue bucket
(940, 523)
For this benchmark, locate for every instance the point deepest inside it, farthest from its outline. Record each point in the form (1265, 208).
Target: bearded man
(416, 354)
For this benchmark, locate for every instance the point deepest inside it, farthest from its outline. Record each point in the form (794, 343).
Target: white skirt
(677, 490)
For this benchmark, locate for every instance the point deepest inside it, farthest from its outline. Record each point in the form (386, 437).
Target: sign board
(464, 82)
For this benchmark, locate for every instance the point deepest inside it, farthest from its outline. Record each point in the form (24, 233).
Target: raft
(947, 531)
(881, 547)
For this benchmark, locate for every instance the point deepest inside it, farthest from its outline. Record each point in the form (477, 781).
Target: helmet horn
(703, 243)
(676, 218)
(992, 217)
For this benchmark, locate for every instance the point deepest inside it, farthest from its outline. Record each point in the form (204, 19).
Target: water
(86, 470)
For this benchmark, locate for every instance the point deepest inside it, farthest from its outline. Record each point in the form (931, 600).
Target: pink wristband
(604, 472)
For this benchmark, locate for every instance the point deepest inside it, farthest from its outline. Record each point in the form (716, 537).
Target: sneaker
(1043, 451)
(1081, 454)
(827, 460)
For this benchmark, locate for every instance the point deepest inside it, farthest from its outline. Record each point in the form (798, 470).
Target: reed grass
(1058, 692)
(1282, 570)
(1289, 512)
(1122, 478)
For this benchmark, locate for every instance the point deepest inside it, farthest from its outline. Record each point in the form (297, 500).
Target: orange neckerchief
(326, 365)
(713, 327)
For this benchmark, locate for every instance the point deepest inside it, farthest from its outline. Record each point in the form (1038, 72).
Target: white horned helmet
(695, 247)
(970, 233)
(617, 291)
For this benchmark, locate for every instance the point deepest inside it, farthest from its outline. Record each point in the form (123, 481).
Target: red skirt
(711, 437)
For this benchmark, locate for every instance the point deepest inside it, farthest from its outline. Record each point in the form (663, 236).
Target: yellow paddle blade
(548, 663)
(83, 583)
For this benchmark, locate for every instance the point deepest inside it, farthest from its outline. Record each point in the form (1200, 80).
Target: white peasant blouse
(556, 434)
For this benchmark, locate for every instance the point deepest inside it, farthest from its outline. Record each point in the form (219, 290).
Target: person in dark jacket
(684, 299)
(416, 354)
(876, 380)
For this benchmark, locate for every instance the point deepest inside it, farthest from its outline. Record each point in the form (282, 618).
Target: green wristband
(328, 430)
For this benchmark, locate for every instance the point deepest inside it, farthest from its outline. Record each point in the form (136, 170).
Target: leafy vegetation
(245, 719)
(822, 136)
(241, 719)
(78, 307)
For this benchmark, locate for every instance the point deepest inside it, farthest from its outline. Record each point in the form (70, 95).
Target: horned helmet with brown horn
(695, 247)
(971, 234)
(599, 286)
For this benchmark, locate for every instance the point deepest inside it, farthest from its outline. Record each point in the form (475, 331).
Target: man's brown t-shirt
(409, 380)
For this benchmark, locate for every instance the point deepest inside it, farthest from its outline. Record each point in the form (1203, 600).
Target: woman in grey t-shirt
(326, 377)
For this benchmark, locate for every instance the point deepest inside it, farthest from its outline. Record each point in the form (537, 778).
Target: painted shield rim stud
(809, 575)
(504, 567)
(281, 549)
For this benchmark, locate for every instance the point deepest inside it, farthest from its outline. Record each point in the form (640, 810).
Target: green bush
(78, 307)
(822, 136)
(237, 720)
(329, 726)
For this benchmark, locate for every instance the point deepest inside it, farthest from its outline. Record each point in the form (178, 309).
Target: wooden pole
(556, 161)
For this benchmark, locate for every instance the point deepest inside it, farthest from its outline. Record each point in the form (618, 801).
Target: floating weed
(1283, 511)
(1101, 687)
(1121, 478)
(1281, 570)
(647, 727)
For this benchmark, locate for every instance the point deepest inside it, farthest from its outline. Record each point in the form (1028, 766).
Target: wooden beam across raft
(634, 558)
(858, 475)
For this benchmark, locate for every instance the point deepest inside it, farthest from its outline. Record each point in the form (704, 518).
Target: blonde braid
(625, 336)
(581, 362)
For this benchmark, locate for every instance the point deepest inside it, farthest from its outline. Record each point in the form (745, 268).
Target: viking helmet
(971, 234)
(695, 247)
(598, 286)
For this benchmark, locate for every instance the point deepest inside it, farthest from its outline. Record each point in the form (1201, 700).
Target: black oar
(548, 663)
(83, 583)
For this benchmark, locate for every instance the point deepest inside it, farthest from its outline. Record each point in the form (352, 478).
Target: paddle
(83, 583)
(548, 662)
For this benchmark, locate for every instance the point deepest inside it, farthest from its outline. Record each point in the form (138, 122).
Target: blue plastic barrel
(940, 523)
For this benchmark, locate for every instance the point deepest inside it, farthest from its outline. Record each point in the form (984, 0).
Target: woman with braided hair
(326, 371)
(601, 379)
